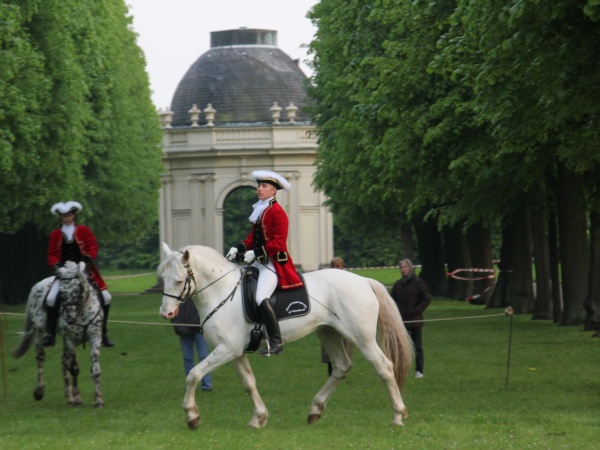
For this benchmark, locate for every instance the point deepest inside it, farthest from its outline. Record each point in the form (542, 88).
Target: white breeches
(267, 281)
(51, 299)
(106, 296)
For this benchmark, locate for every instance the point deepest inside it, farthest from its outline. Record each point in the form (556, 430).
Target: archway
(236, 210)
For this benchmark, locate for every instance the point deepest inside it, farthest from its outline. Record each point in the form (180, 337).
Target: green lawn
(551, 400)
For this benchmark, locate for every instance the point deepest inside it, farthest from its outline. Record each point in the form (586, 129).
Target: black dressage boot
(272, 325)
(106, 341)
(51, 317)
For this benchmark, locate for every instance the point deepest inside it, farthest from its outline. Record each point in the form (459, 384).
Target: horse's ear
(186, 256)
(166, 251)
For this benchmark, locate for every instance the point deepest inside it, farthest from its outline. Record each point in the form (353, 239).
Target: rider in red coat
(266, 248)
(77, 243)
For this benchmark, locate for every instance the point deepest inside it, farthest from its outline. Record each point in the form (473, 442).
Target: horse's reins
(187, 293)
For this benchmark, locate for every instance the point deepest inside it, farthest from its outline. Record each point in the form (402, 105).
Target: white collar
(259, 208)
(68, 231)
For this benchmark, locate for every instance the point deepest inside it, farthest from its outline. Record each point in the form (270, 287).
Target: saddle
(287, 304)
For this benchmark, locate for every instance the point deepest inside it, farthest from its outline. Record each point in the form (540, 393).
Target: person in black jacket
(412, 298)
(190, 336)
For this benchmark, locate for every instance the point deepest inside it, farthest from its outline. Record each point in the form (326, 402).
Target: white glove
(232, 252)
(249, 256)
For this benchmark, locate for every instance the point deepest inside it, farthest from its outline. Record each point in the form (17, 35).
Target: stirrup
(271, 350)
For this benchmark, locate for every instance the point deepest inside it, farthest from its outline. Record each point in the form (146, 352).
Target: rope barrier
(133, 275)
(131, 322)
(507, 312)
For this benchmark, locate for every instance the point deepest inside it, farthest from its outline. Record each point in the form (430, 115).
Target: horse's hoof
(99, 405)
(257, 422)
(312, 418)
(38, 394)
(193, 424)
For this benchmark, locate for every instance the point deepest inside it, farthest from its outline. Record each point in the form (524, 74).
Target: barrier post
(2, 319)
(509, 312)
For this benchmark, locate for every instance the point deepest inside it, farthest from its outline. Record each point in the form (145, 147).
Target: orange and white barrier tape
(456, 277)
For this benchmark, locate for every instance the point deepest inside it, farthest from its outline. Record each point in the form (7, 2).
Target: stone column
(165, 222)
(197, 206)
(294, 214)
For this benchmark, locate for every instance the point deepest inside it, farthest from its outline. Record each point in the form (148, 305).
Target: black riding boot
(106, 341)
(51, 317)
(270, 320)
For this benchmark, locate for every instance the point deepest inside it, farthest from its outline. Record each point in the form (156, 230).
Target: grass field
(551, 401)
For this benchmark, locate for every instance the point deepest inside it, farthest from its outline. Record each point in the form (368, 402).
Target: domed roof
(241, 76)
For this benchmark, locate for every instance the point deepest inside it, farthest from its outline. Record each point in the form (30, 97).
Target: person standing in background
(412, 298)
(190, 336)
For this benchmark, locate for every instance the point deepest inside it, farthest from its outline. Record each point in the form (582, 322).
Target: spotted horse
(79, 321)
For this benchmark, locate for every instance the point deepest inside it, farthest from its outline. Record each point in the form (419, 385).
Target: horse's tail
(395, 341)
(27, 337)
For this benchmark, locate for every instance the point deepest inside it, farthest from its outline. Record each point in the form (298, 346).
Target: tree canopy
(76, 121)
(462, 114)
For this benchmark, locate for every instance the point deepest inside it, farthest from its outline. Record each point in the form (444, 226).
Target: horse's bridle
(78, 302)
(187, 292)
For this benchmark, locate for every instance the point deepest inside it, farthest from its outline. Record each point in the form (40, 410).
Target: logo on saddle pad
(287, 303)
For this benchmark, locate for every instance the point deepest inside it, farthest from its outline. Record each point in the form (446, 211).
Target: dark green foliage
(142, 253)
(371, 249)
(237, 209)
(77, 121)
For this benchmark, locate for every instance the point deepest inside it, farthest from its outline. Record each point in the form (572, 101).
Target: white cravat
(68, 231)
(259, 208)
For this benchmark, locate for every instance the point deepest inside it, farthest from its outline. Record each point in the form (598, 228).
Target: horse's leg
(96, 370)
(333, 343)
(385, 369)
(74, 377)
(259, 418)
(70, 370)
(40, 358)
(219, 356)
(66, 364)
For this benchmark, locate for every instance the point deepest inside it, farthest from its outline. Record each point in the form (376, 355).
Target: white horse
(343, 306)
(79, 320)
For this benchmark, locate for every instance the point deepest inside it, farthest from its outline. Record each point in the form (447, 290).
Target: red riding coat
(268, 239)
(86, 241)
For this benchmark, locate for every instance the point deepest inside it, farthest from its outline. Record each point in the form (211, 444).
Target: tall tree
(77, 124)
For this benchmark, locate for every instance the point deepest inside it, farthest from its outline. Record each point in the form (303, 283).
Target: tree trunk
(515, 284)
(408, 246)
(557, 307)
(574, 250)
(458, 256)
(592, 302)
(543, 296)
(480, 244)
(23, 263)
(431, 256)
